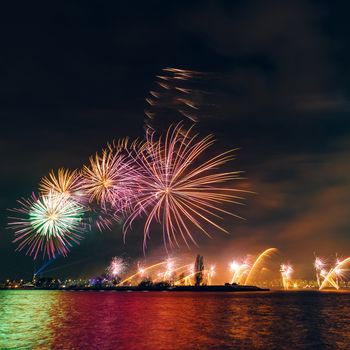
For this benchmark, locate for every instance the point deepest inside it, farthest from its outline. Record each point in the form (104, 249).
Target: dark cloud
(277, 57)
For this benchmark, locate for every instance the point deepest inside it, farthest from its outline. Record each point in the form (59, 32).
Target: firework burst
(179, 190)
(116, 267)
(50, 224)
(333, 275)
(319, 265)
(110, 180)
(286, 274)
(65, 181)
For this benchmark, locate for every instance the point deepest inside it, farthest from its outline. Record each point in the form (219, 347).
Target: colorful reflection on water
(25, 318)
(170, 320)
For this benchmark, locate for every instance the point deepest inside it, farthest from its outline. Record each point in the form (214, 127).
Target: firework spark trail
(65, 181)
(111, 183)
(336, 270)
(101, 218)
(71, 184)
(109, 179)
(192, 274)
(234, 267)
(116, 267)
(328, 275)
(141, 271)
(286, 274)
(210, 274)
(257, 266)
(243, 275)
(319, 265)
(166, 273)
(161, 177)
(340, 273)
(178, 190)
(238, 270)
(180, 95)
(50, 223)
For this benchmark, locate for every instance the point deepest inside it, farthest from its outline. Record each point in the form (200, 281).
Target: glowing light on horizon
(319, 265)
(164, 275)
(258, 265)
(238, 269)
(141, 271)
(187, 278)
(337, 271)
(234, 266)
(116, 267)
(286, 273)
(210, 274)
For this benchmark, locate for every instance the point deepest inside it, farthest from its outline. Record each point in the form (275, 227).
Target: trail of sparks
(179, 190)
(286, 274)
(257, 266)
(65, 181)
(167, 179)
(51, 223)
(192, 274)
(110, 180)
(116, 267)
(329, 278)
(141, 271)
(238, 270)
(179, 95)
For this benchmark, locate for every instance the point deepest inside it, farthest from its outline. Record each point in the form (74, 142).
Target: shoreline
(217, 288)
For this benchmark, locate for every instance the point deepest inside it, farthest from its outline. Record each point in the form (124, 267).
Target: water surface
(173, 320)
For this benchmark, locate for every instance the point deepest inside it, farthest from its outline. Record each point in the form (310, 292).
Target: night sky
(75, 76)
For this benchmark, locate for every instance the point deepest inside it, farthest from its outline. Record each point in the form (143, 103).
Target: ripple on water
(173, 320)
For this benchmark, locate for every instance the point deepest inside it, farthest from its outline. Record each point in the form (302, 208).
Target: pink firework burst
(181, 188)
(110, 180)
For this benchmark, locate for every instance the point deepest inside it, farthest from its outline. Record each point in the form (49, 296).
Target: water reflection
(25, 319)
(157, 320)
